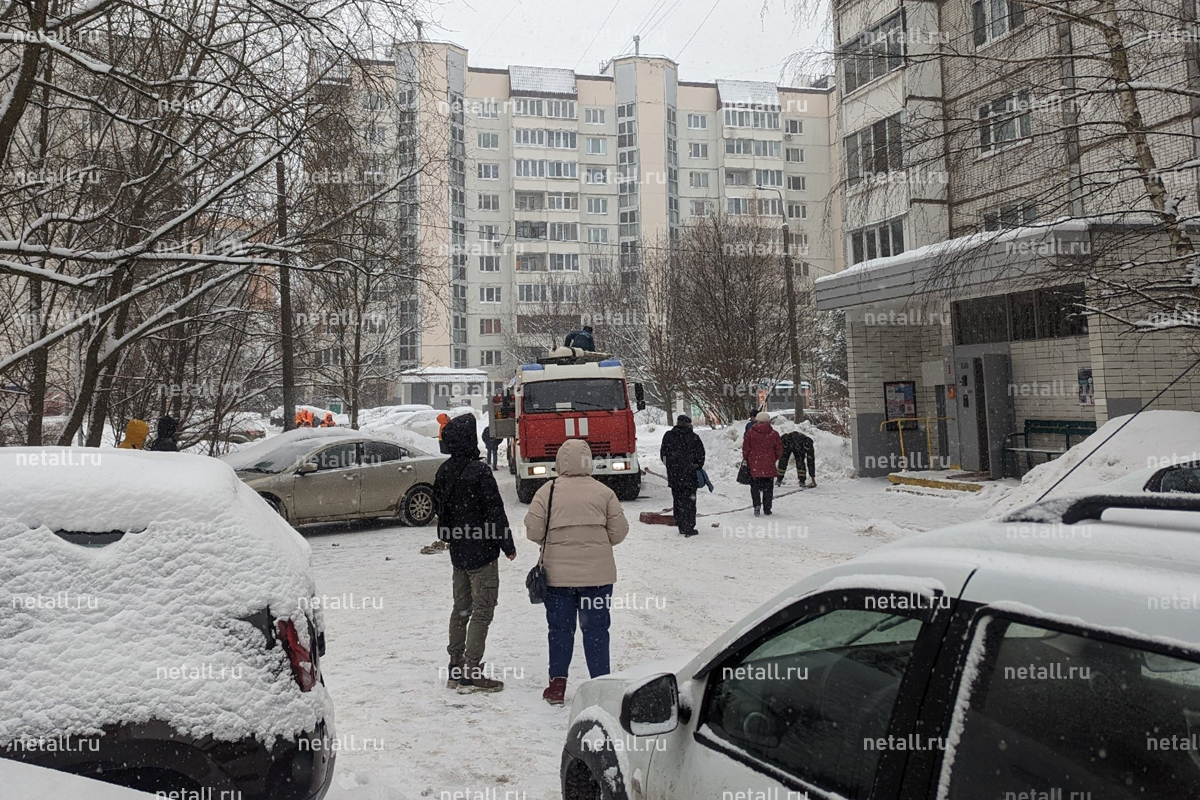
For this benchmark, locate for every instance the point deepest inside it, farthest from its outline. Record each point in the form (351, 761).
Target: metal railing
(928, 434)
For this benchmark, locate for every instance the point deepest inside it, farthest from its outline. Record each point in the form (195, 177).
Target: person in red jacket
(762, 448)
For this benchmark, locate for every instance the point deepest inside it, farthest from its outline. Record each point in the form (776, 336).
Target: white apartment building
(537, 178)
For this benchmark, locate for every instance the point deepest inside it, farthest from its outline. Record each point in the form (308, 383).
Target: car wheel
(578, 784)
(277, 504)
(526, 490)
(417, 509)
(628, 488)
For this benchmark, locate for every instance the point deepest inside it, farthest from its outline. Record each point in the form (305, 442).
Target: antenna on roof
(637, 45)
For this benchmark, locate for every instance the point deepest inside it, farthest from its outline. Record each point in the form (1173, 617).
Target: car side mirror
(307, 468)
(651, 706)
(639, 393)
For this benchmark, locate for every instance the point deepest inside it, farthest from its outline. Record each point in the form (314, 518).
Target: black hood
(459, 437)
(167, 427)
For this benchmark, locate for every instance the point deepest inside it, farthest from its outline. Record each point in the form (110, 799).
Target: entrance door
(981, 425)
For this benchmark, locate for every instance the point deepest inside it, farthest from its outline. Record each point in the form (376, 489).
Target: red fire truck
(571, 394)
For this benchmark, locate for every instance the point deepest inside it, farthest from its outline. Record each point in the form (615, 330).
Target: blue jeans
(591, 604)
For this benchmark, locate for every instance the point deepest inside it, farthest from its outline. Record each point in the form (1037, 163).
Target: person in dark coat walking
(682, 453)
(583, 339)
(493, 448)
(165, 441)
(797, 445)
(762, 448)
(473, 523)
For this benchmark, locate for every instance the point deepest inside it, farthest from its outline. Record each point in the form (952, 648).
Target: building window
(597, 175)
(593, 116)
(737, 177)
(702, 208)
(562, 140)
(532, 262)
(527, 229)
(797, 211)
(490, 327)
(1013, 215)
(874, 53)
(530, 168)
(530, 201)
(489, 110)
(459, 357)
(374, 101)
(1004, 122)
(489, 141)
(375, 134)
(489, 202)
(561, 201)
(531, 292)
(795, 127)
(489, 172)
(529, 137)
(795, 155)
(561, 169)
(698, 180)
(489, 233)
(490, 358)
(597, 146)
(697, 122)
(736, 118)
(874, 150)
(767, 149)
(597, 205)
(598, 235)
(489, 263)
(768, 177)
(1053, 313)
(526, 107)
(560, 109)
(564, 262)
(797, 183)
(877, 241)
(489, 294)
(739, 147)
(745, 206)
(627, 134)
(994, 18)
(697, 150)
(564, 231)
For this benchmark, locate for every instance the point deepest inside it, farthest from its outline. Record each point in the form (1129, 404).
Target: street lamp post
(789, 284)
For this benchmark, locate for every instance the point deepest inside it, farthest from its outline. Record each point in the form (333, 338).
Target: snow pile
(1153, 439)
(148, 626)
(250, 454)
(27, 782)
(389, 415)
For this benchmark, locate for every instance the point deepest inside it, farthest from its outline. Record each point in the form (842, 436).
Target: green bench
(1019, 444)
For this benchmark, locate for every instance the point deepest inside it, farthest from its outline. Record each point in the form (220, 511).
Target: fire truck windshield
(578, 394)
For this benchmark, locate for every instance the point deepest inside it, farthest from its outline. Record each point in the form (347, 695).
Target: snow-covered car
(1180, 477)
(345, 478)
(1054, 653)
(27, 782)
(246, 456)
(161, 630)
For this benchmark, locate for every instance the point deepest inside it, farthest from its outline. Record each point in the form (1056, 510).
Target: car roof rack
(1070, 510)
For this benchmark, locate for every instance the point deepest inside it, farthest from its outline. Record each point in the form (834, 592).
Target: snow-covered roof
(116, 633)
(541, 80)
(758, 94)
(435, 374)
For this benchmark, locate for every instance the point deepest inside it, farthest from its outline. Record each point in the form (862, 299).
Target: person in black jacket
(472, 521)
(165, 441)
(583, 339)
(682, 453)
(797, 445)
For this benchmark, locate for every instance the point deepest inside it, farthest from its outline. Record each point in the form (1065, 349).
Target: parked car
(27, 782)
(347, 478)
(162, 629)
(1052, 654)
(1181, 477)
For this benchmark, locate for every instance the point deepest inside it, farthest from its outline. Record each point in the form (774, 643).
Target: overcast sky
(735, 42)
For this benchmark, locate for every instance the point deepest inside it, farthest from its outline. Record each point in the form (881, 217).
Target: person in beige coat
(585, 523)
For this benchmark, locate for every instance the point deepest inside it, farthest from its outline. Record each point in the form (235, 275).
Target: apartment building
(536, 181)
(990, 205)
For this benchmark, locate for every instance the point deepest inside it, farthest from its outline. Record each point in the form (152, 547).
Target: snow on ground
(402, 734)
(1153, 439)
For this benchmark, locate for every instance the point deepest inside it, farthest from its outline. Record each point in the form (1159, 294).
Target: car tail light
(304, 665)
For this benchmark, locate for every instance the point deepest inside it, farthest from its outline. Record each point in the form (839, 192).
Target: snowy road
(399, 727)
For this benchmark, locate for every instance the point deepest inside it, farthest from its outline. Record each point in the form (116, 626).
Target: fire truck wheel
(628, 488)
(526, 490)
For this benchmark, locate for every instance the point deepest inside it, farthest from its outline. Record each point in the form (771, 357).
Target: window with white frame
(489, 141)
(489, 202)
(697, 122)
(795, 127)
(876, 149)
(797, 211)
(529, 229)
(490, 327)
(489, 172)
(375, 134)
(489, 233)
(560, 109)
(491, 358)
(1004, 122)
(877, 241)
(767, 149)
(761, 206)
(597, 205)
(596, 146)
(530, 168)
(739, 147)
(1010, 215)
(593, 116)
(562, 201)
(564, 231)
(698, 180)
(561, 169)
(697, 150)
(531, 292)
(527, 107)
(797, 183)
(561, 140)
(489, 109)
(795, 155)
(598, 235)
(531, 262)
(489, 294)
(597, 175)
(564, 262)
(627, 134)
(529, 201)
(737, 177)
(529, 137)
(768, 177)
(992, 19)
(702, 208)
(737, 118)
(875, 52)
(374, 101)
(489, 263)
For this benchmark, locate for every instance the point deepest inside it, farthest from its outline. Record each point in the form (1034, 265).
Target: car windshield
(581, 394)
(281, 458)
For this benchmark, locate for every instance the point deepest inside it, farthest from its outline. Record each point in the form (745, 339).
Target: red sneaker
(555, 692)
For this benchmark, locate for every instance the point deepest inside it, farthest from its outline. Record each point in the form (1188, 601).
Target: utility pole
(287, 347)
(789, 284)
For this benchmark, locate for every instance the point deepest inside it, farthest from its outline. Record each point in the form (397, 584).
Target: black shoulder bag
(535, 581)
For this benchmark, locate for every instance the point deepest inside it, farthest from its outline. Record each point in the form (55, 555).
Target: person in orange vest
(328, 421)
(299, 417)
(309, 418)
(442, 420)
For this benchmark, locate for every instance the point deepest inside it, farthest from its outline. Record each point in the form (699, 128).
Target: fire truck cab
(571, 394)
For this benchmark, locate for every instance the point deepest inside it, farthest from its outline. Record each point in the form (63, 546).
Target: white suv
(1051, 654)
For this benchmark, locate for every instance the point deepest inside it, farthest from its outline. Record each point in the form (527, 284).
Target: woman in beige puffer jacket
(586, 522)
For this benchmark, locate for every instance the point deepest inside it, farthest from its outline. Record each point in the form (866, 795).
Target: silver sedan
(346, 478)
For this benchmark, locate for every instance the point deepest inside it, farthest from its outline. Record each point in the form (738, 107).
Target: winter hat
(683, 419)
(762, 417)
(459, 437)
